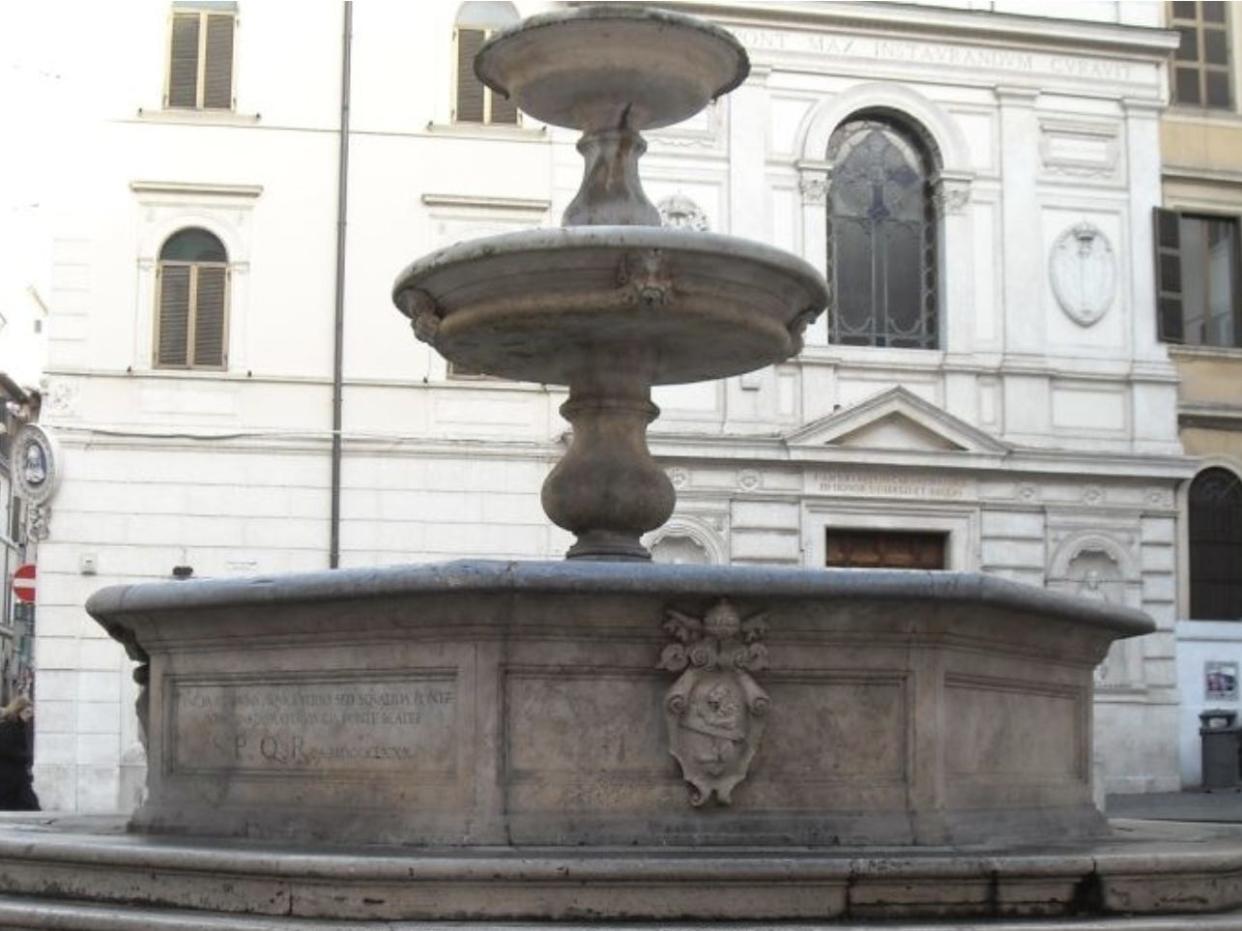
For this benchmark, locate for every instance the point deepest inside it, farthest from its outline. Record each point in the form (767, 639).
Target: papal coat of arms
(1084, 273)
(715, 711)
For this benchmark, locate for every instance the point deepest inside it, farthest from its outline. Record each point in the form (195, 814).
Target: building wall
(1202, 174)
(1046, 448)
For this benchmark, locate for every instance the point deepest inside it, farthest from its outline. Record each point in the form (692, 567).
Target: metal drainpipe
(342, 202)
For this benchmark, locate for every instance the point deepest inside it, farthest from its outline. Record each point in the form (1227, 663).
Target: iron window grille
(882, 247)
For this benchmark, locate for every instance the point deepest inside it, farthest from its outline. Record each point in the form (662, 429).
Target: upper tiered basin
(605, 66)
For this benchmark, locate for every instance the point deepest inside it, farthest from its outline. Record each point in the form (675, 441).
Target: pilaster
(1022, 271)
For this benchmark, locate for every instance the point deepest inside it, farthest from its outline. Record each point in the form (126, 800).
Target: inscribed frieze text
(320, 724)
(847, 482)
(938, 54)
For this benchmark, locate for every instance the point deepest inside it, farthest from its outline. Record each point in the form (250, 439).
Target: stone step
(19, 914)
(1145, 869)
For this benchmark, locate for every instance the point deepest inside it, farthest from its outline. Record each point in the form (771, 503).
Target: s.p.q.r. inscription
(314, 724)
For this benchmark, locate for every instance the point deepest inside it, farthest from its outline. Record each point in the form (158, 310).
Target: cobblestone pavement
(1218, 805)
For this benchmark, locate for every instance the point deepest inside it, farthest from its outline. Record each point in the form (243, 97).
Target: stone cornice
(1193, 175)
(194, 189)
(772, 450)
(484, 202)
(1034, 32)
(1210, 416)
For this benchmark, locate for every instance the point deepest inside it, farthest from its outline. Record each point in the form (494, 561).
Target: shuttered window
(472, 101)
(471, 94)
(192, 313)
(200, 57)
(1198, 279)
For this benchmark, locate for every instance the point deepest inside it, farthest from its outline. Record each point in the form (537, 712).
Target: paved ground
(1218, 805)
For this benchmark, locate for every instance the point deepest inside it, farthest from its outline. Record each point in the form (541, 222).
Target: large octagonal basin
(497, 703)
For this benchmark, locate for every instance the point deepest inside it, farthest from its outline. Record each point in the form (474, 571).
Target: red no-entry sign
(24, 582)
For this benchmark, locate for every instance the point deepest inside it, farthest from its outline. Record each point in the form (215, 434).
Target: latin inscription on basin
(403, 723)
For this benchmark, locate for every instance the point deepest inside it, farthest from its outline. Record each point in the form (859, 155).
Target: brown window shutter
(218, 68)
(503, 109)
(183, 61)
(174, 322)
(469, 88)
(1167, 235)
(209, 316)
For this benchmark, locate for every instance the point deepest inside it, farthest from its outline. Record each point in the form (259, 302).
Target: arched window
(881, 236)
(192, 288)
(473, 102)
(1215, 545)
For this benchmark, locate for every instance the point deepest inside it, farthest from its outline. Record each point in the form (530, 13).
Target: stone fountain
(604, 738)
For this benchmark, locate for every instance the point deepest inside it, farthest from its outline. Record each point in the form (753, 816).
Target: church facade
(987, 391)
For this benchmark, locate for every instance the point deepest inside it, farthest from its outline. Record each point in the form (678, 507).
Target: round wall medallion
(36, 464)
(1083, 270)
(749, 479)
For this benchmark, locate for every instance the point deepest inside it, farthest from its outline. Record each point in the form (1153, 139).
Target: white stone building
(993, 398)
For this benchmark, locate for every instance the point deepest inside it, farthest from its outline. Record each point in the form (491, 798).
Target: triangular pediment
(896, 419)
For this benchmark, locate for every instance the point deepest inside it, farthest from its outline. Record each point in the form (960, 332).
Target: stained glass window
(881, 238)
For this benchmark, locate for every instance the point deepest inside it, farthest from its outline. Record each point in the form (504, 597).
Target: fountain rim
(613, 11)
(469, 577)
(620, 238)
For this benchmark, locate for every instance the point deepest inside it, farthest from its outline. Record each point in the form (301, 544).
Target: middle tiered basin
(543, 305)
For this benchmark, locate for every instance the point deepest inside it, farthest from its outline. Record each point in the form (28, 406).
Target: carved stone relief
(680, 212)
(61, 397)
(814, 188)
(644, 276)
(715, 711)
(1159, 498)
(950, 196)
(1083, 271)
(1026, 492)
(749, 479)
(424, 315)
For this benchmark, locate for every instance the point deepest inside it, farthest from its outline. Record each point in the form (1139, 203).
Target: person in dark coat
(16, 756)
